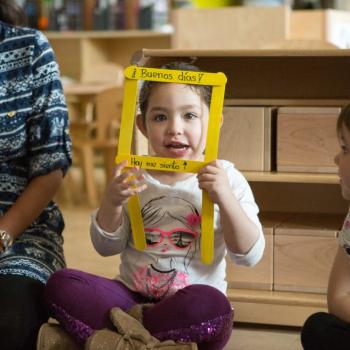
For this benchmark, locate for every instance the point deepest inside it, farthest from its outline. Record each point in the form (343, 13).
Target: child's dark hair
(344, 118)
(11, 13)
(204, 91)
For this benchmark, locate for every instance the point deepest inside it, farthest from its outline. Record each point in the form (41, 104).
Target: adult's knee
(16, 331)
(314, 328)
(22, 311)
(20, 321)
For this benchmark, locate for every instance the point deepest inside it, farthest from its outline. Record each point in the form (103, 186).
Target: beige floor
(256, 337)
(81, 255)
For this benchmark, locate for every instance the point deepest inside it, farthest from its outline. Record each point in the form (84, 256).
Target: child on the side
(185, 299)
(331, 330)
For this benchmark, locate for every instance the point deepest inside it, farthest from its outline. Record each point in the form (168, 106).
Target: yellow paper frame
(218, 82)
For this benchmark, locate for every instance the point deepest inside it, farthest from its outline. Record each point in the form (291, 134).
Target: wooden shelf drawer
(246, 137)
(261, 275)
(304, 250)
(307, 139)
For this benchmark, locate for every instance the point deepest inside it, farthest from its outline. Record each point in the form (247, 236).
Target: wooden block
(306, 25)
(261, 275)
(304, 249)
(238, 27)
(332, 26)
(307, 139)
(245, 138)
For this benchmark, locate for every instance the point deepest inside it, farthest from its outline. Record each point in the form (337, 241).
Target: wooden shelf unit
(78, 51)
(275, 78)
(255, 78)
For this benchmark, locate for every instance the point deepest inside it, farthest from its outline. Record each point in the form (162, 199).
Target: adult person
(35, 153)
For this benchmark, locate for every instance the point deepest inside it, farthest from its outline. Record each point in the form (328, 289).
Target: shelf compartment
(273, 176)
(275, 308)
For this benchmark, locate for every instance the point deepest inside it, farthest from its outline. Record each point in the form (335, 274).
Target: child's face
(342, 159)
(176, 122)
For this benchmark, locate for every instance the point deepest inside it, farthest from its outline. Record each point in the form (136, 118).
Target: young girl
(188, 301)
(332, 330)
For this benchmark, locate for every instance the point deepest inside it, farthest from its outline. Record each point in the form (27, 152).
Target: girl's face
(176, 122)
(342, 159)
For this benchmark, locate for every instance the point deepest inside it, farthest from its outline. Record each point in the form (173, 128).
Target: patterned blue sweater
(34, 141)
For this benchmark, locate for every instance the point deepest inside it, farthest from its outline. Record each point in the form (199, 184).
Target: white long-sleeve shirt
(171, 216)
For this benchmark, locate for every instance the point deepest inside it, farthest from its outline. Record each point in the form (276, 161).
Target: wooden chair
(96, 129)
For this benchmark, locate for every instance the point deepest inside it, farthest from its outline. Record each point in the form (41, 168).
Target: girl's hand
(213, 179)
(123, 185)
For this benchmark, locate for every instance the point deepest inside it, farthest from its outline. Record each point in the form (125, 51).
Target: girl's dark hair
(12, 13)
(204, 91)
(344, 118)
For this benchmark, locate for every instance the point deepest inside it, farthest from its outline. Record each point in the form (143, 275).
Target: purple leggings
(81, 302)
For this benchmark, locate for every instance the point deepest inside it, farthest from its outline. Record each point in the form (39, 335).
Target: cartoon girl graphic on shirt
(172, 235)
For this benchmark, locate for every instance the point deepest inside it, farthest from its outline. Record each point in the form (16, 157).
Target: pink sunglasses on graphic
(179, 238)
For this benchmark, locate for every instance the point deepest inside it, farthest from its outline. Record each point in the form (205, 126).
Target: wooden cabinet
(290, 282)
(259, 84)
